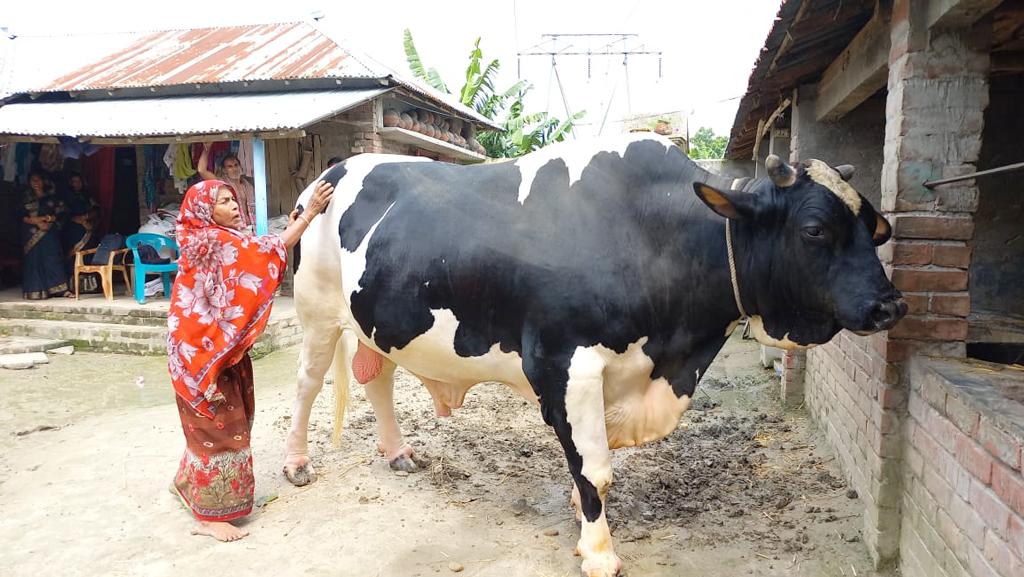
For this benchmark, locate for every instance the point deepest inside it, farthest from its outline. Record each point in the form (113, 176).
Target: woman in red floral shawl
(220, 304)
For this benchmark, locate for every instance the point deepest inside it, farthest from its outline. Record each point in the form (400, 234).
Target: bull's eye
(814, 232)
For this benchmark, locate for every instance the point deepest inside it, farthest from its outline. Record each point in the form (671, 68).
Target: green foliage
(704, 144)
(430, 76)
(524, 132)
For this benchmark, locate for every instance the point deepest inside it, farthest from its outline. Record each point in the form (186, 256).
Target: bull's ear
(734, 205)
(883, 230)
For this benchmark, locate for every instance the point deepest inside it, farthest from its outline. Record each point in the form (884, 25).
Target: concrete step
(88, 313)
(17, 345)
(107, 337)
(282, 331)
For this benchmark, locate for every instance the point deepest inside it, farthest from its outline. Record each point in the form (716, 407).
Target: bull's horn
(845, 171)
(781, 173)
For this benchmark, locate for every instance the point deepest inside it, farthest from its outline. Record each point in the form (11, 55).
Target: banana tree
(522, 132)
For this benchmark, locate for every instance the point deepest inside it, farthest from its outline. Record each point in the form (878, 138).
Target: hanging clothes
(150, 160)
(184, 168)
(71, 148)
(245, 156)
(50, 158)
(23, 159)
(98, 171)
(10, 163)
(218, 150)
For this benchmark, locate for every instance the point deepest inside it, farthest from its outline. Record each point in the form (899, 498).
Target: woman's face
(36, 183)
(75, 183)
(225, 211)
(232, 169)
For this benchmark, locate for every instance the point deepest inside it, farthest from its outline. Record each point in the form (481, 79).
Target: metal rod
(588, 53)
(997, 170)
(617, 35)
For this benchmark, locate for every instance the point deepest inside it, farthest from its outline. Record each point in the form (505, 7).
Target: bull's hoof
(601, 565)
(299, 471)
(407, 460)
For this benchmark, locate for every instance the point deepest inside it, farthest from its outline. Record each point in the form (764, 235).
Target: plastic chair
(142, 269)
(106, 270)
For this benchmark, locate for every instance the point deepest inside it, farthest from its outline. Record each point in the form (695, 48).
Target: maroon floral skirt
(215, 478)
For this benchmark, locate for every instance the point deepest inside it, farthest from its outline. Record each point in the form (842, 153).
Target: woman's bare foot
(219, 530)
(298, 470)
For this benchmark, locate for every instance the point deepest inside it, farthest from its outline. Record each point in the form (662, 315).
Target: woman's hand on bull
(321, 197)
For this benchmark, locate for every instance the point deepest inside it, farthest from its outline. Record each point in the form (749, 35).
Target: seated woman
(78, 232)
(44, 274)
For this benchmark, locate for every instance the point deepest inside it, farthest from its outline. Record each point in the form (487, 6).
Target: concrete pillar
(937, 95)
(259, 178)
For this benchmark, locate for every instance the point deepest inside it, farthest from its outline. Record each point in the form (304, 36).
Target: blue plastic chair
(166, 271)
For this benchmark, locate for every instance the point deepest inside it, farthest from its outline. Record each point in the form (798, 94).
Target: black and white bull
(587, 276)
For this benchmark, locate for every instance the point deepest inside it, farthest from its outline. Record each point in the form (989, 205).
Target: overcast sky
(708, 47)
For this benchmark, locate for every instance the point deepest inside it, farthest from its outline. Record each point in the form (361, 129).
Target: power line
(615, 44)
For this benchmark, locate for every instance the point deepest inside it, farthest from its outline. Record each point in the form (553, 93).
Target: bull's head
(804, 247)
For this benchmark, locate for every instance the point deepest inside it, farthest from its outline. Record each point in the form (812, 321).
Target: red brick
(952, 304)
(979, 566)
(968, 521)
(999, 555)
(938, 488)
(1000, 444)
(1015, 538)
(933, 227)
(884, 420)
(930, 329)
(929, 280)
(1009, 485)
(943, 431)
(974, 457)
(958, 256)
(917, 303)
(903, 252)
(990, 508)
(891, 398)
(933, 391)
(962, 415)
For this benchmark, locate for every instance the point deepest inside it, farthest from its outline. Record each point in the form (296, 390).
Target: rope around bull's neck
(732, 268)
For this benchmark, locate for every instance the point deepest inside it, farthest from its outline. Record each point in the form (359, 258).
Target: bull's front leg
(318, 350)
(575, 410)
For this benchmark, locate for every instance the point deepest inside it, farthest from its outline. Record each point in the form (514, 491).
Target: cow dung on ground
(736, 470)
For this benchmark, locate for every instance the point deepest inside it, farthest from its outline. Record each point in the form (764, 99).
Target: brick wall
(851, 385)
(854, 395)
(963, 498)
(857, 388)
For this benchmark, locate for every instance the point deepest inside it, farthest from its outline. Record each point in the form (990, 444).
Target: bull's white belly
(637, 409)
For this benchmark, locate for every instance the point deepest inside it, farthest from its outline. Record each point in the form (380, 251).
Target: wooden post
(259, 169)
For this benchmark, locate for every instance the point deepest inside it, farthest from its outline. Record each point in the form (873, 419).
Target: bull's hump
(577, 155)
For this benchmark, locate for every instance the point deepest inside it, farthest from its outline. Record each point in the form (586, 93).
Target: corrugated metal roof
(806, 37)
(179, 115)
(263, 52)
(286, 51)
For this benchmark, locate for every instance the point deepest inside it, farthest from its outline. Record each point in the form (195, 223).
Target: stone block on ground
(23, 360)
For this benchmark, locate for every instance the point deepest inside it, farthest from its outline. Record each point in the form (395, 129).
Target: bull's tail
(342, 378)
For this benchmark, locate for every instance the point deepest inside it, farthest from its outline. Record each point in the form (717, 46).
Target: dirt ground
(88, 445)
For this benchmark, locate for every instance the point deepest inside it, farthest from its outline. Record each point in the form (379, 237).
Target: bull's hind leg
(579, 422)
(318, 348)
(380, 391)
